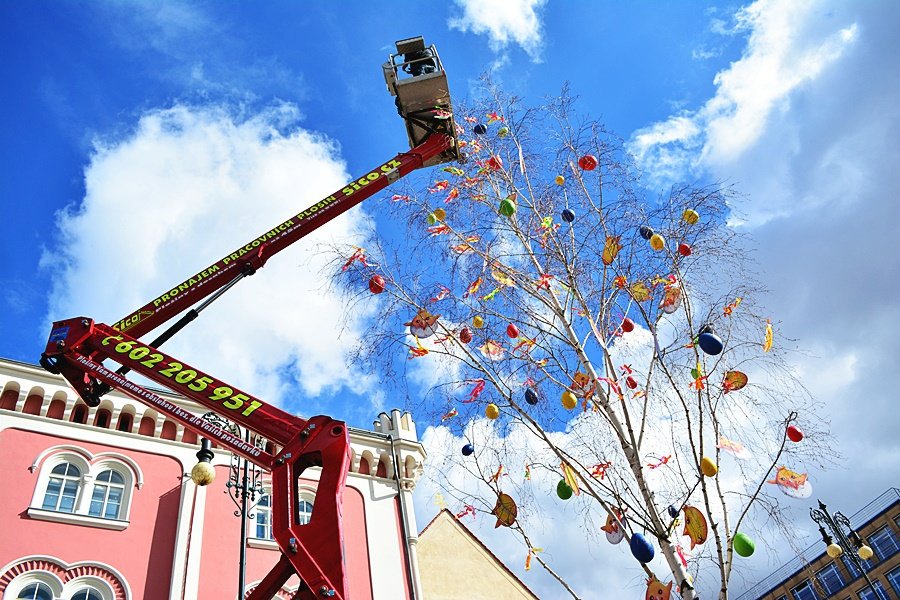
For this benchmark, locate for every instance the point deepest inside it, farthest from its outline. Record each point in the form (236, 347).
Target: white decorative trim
(64, 566)
(75, 519)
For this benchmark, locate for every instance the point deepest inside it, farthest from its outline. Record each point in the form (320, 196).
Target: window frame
(90, 469)
(878, 591)
(877, 548)
(807, 583)
(832, 566)
(305, 494)
(19, 583)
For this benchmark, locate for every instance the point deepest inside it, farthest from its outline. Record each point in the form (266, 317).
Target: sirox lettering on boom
(282, 229)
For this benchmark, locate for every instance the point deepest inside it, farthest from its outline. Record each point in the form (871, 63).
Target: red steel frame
(78, 346)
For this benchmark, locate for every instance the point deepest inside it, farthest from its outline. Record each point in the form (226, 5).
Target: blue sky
(142, 141)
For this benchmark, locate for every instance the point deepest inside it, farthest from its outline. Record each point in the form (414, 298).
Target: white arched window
(61, 493)
(87, 593)
(75, 487)
(35, 591)
(263, 518)
(106, 500)
(304, 510)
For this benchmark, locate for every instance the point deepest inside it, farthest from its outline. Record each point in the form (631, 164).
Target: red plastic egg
(684, 249)
(627, 325)
(465, 336)
(588, 162)
(512, 331)
(376, 284)
(631, 382)
(794, 434)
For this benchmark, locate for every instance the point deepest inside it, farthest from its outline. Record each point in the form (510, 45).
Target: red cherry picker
(78, 347)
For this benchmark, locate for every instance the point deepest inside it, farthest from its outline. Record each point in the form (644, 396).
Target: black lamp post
(244, 486)
(845, 541)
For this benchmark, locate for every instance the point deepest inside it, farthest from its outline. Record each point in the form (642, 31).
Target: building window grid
(36, 591)
(87, 594)
(804, 591)
(893, 578)
(106, 501)
(61, 494)
(879, 594)
(830, 579)
(263, 519)
(883, 542)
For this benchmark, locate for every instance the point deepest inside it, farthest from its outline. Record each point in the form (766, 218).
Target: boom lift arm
(77, 348)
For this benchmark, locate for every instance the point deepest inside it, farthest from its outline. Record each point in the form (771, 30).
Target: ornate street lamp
(244, 485)
(845, 539)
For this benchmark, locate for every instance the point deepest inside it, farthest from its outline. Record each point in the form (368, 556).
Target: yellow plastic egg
(440, 214)
(477, 322)
(690, 216)
(657, 242)
(560, 180)
(492, 411)
(708, 467)
(569, 401)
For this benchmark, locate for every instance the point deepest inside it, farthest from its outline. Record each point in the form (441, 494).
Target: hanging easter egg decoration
(734, 380)
(479, 129)
(563, 490)
(567, 215)
(468, 449)
(743, 545)
(708, 467)
(614, 527)
(569, 400)
(465, 335)
(690, 216)
(657, 242)
(376, 284)
(503, 132)
(684, 249)
(424, 324)
(627, 325)
(531, 396)
(673, 512)
(560, 180)
(477, 322)
(587, 162)
(646, 232)
(505, 510)
(508, 206)
(492, 411)
(641, 548)
(709, 342)
(631, 382)
(794, 434)
(512, 331)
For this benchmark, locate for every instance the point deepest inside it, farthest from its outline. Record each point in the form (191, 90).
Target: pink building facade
(98, 503)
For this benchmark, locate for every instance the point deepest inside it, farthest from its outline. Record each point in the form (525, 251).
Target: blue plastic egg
(480, 129)
(646, 232)
(468, 449)
(673, 512)
(710, 343)
(567, 215)
(531, 396)
(641, 548)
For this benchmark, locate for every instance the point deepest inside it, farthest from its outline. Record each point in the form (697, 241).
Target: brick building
(813, 575)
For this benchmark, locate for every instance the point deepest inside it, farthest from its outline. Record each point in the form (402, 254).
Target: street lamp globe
(865, 552)
(203, 473)
(834, 550)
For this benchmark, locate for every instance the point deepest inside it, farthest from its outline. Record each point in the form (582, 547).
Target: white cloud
(790, 44)
(504, 22)
(186, 188)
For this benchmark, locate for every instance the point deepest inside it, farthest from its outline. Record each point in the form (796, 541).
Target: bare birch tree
(552, 293)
